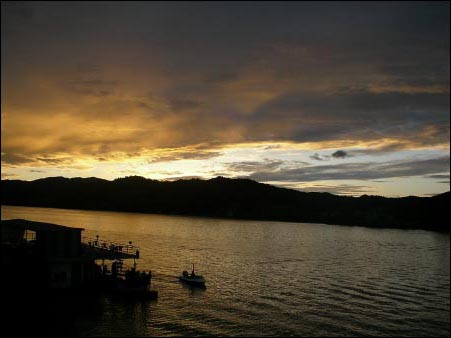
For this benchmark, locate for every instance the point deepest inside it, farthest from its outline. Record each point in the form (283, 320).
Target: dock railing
(111, 248)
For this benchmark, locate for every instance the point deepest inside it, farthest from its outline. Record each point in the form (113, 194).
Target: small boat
(192, 279)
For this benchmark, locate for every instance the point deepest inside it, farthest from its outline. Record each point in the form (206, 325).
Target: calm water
(270, 278)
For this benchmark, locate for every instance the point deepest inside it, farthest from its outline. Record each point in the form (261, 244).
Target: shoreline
(446, 230)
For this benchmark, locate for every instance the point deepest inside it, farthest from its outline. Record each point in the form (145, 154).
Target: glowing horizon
(308, 96)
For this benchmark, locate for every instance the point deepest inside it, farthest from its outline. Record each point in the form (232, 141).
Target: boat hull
(194, 282)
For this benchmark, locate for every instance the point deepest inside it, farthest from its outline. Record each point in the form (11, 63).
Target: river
(269, 278)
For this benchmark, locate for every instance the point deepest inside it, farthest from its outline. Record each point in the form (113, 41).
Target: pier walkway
(100, 249)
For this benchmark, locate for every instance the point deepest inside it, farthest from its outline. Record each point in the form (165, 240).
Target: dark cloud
(439, 176)
(165, 172)
(340, 189)
(357, 107)
(6, 176)
(183, 155)
(266, 165)
(222, 73)
(10, 158)
(176, 178)
(88, 68)
(311, 117)
(317, 157)
(381, 150)
(255, 166)
(357, 171)
(17, 160)
(221, 77)
(55, 160)
(93, 87)
(340, 154)
(184, 104)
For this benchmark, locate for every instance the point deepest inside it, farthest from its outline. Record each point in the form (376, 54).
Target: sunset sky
(345, 97)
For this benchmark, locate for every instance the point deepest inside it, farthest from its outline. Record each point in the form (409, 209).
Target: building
(45, 255)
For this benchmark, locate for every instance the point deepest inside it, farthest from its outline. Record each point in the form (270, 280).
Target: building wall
(60, 275)
(59, 244)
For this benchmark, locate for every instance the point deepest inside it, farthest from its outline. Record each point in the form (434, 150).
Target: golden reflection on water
(270, 278)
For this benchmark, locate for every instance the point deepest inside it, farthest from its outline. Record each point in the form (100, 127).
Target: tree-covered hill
(228, 198)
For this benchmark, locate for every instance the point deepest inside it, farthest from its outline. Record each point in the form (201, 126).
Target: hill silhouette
(228, 198)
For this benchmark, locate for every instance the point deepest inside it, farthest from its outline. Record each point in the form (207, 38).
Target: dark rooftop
(37, 226)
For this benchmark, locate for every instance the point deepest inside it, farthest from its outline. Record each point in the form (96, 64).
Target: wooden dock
(98, 249)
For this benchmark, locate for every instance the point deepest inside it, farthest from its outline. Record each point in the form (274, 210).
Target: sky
(350, 98)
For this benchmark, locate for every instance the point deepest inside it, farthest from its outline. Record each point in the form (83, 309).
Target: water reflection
(194, 290)
(268, 278)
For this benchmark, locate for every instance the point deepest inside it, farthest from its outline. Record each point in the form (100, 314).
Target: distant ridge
(228, 198)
